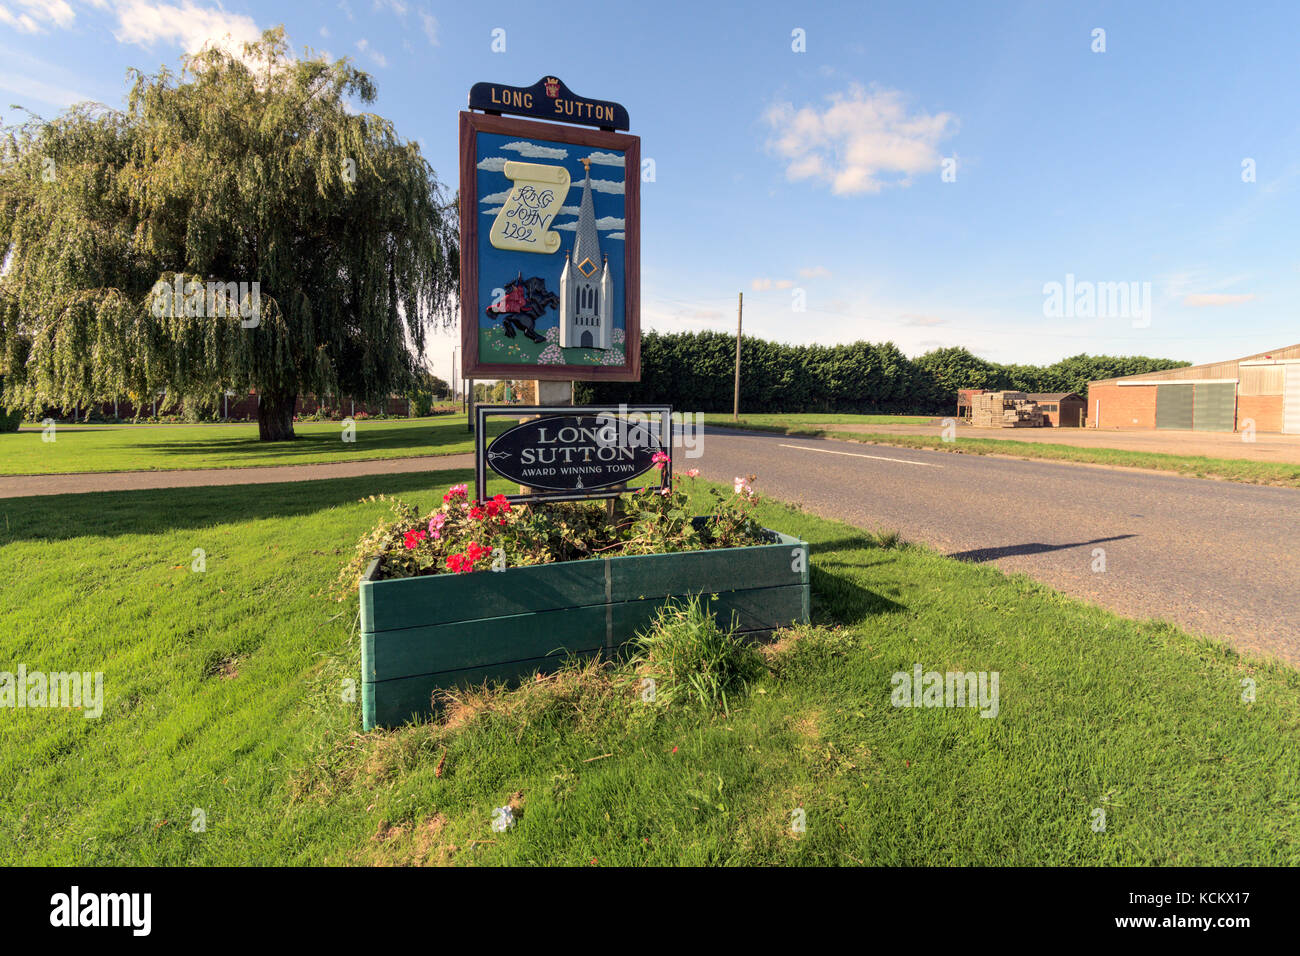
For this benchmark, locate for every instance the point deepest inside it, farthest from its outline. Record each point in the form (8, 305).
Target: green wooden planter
(446, 630)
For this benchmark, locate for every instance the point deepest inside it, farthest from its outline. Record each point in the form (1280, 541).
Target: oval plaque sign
(573, 452)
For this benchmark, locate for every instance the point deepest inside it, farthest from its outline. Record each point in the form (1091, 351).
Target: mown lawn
(99, 448)
(225, 691)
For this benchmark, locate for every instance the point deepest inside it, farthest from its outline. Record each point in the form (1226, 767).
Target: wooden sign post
(550, 241)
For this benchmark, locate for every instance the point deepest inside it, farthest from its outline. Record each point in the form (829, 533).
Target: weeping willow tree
(236, 227)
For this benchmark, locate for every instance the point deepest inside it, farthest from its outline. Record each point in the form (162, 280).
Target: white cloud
(497, 197)
(816, 272)
(364, 46)
(533, 151)
(493, 164)
(604, 223)
(397, 6)
(615, 235)
(607, 186)
(764, 285)
(430, 23)
(186, 24)
(606, 159)
(36, 15)
(1217, 298)
(861, 143)
(493, 212)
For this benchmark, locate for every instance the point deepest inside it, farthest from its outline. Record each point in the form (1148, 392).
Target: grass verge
(1194, 466)
(227, 691)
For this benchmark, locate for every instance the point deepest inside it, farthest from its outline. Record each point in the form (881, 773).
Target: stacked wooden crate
(1006, 410)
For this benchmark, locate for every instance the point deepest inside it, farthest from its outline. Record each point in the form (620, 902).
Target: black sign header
(547, 99)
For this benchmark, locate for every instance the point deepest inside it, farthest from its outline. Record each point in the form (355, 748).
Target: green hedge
(695, 371)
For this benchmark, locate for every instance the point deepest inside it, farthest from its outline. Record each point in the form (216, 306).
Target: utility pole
(740, 314)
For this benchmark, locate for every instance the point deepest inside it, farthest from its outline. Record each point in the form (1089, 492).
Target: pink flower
(435, 525)
(660, 459)
(693, 473)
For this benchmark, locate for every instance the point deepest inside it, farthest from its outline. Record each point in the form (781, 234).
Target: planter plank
(443, 647)
(440, 631)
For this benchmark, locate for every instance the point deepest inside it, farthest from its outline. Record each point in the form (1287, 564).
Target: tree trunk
(275, 416)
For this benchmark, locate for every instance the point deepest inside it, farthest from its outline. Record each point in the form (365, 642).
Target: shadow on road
(980, 555)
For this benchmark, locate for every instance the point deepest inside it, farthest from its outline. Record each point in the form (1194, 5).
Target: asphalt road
(1218, 558)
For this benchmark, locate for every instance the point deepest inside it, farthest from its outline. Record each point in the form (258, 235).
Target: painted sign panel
(550, 259)
(572, 452)
(568, 453)
(547, 99)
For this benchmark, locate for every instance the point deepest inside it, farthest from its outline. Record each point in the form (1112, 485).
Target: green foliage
(461, 536)
(695, 371)
(9, 420)
(249, 170)
(427, 391)
(690, 657)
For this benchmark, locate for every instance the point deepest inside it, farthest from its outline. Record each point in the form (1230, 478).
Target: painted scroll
(534, 201)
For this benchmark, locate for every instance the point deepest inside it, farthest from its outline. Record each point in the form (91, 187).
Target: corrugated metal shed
(1212, 370)
(1053, 396)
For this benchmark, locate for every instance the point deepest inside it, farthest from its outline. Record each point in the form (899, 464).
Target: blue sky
(819, 174)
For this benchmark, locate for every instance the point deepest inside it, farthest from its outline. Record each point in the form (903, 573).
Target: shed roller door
(1214, 407)
(1291, 401)
(1174, 406)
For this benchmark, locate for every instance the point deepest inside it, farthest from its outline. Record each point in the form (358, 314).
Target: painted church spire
(586, 247)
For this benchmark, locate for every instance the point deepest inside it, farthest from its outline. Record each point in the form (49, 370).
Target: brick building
(1060, 409)
(1262, 389)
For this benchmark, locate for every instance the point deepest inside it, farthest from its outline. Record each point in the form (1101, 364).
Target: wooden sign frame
(471, 309)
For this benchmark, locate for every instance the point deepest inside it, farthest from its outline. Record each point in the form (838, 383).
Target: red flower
(456, 562)
(412, 539)
(477, 513)
(502, 504)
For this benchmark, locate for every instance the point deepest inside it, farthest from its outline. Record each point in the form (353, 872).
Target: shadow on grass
(838, 597)
(158, 510)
